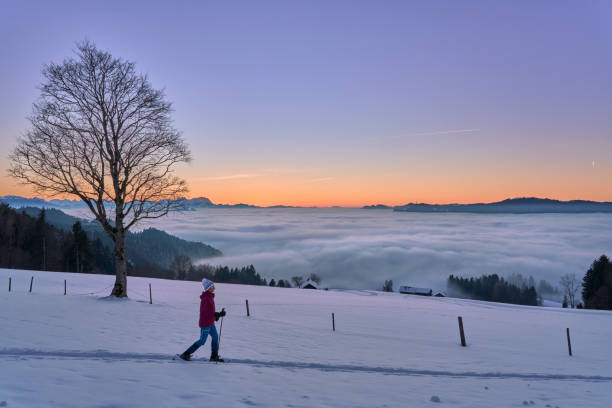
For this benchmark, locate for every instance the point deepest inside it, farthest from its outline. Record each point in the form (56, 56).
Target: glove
(219, 314)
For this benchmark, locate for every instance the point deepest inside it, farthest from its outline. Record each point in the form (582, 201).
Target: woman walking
(208, 317)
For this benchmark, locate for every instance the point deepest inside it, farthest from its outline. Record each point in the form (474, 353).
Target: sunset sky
(348, 102)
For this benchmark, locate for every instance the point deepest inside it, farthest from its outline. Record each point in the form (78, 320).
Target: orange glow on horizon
(357, 190)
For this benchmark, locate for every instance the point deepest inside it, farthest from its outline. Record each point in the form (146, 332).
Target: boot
(214, 356)
(187, 354)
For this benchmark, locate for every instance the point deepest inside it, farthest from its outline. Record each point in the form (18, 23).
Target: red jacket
(207, 309)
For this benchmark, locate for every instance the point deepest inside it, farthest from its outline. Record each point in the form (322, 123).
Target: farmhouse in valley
(409, 290)
(309, 284)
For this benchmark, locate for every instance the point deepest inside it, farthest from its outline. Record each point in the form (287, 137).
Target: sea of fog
(360, 249)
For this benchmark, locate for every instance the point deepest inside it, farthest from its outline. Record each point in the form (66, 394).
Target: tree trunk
(120, 288)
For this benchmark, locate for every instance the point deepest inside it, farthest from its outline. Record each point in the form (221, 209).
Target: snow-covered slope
(388, 350)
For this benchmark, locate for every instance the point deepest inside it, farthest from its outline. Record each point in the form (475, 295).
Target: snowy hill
(388, 350)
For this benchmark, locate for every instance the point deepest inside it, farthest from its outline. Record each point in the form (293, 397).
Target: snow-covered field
(388, 350)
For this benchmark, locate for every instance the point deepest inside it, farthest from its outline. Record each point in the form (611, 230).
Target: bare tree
(100, 132)
(388, 286)
(297, 281)
(570, 285)
(180, 266)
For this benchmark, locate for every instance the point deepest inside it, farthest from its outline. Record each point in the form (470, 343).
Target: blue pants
(204, 332)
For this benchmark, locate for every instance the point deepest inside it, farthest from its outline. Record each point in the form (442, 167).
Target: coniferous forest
(492, 288)
(33, 243)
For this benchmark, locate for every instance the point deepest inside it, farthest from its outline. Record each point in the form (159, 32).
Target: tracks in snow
(103, 355)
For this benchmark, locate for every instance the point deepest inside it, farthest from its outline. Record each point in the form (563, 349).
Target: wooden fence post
(333, 322)
(9, 283)
(247, 306)
(461, 331)
(31, 282)
(150, 295)
(569, 343)
(64, 287)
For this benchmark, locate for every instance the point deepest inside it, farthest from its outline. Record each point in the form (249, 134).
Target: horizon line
(328, 205)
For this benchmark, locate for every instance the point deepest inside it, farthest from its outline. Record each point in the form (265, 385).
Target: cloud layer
(355, 248)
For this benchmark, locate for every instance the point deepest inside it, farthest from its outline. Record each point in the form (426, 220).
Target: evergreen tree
(102, 258)
(597, 285)
(40, 240)
(82, 249)
(272, 283)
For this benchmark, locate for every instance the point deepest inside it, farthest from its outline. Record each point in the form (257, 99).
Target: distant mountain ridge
(376, 207)
(17, 202)
(190, 203)
(522, 205)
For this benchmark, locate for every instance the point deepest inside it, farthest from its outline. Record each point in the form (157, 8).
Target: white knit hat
(207, 284)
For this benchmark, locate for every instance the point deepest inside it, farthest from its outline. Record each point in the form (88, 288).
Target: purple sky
(334, 102)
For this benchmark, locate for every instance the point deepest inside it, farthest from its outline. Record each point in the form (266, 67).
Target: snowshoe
(215, 357)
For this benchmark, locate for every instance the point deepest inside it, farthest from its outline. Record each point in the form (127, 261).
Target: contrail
(445, 132)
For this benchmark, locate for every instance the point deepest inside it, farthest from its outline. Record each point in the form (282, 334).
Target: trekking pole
(221, 329)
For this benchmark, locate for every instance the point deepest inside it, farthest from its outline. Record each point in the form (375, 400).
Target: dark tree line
(246, 275)
(280, 284)
(32, 243)
(492, 288)
(183, 269)
(151, 251)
